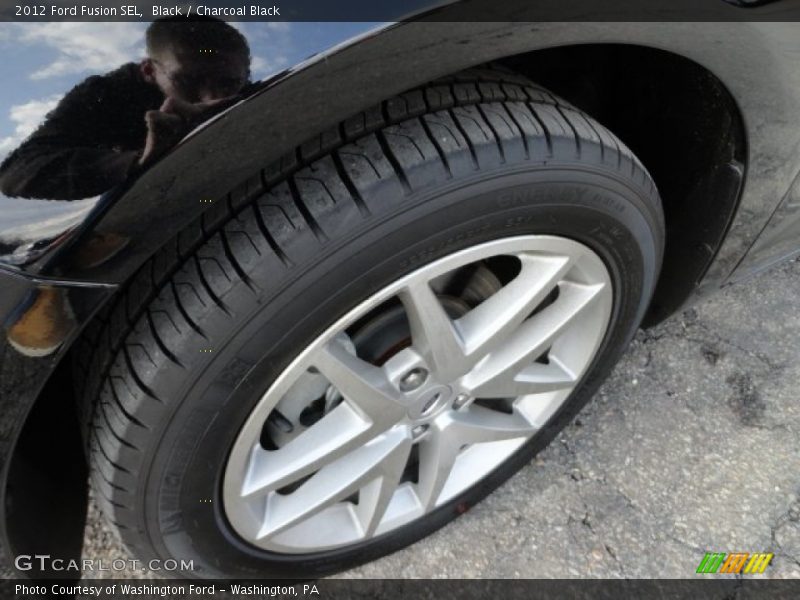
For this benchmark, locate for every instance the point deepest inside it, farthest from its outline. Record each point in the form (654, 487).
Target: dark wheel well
(46, 493)
(681, 122)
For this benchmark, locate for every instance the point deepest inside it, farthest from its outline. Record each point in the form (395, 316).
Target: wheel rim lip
(237, 462)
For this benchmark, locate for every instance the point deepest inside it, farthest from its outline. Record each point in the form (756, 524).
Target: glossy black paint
(44, 487)
(298, 104)
(753, 63)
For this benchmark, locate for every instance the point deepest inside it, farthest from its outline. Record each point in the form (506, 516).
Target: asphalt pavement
(691, 446)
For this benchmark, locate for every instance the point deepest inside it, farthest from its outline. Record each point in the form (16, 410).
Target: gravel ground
(692, 445)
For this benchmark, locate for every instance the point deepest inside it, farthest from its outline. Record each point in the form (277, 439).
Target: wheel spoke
(504, 367)
(338, 432)
(433, 332)
(383, 459)
(439, 451)
(479, 425)
(488, 324)
(363, 385)
(437, 455)
(368, 410)
(374, 498)
(533, 379)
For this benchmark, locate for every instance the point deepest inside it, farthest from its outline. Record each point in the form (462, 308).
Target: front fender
(223, 161)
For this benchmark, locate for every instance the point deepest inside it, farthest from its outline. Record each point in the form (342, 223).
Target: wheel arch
(689, 133)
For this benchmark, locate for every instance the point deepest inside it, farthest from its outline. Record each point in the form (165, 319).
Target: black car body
(709, 107)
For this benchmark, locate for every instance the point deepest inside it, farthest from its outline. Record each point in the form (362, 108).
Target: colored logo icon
(736, 562)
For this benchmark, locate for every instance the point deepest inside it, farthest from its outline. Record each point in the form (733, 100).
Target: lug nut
(418, 430)
(460, 401)
(413, 379)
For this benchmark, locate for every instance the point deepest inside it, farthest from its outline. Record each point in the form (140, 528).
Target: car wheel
(410, 309)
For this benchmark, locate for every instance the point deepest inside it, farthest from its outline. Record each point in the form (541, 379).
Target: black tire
(475, 157)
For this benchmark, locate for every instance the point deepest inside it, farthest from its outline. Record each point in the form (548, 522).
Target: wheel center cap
(430, 402)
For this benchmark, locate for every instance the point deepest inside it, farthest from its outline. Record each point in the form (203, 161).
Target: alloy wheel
(417, 394)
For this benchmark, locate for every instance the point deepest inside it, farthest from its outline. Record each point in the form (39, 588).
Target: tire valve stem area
(282, 423)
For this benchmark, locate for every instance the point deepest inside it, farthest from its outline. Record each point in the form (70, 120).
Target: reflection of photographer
(109, 126)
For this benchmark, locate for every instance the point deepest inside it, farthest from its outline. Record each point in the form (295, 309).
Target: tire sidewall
(183, 514)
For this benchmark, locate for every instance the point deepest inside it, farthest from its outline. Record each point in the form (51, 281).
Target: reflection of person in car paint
(109, 126)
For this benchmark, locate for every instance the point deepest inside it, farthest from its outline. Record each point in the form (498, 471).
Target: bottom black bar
(389, 589)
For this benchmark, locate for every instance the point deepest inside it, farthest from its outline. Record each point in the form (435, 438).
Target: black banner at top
(398, 10)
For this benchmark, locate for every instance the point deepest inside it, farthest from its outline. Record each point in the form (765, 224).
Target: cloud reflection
(26, 117)
(83, 47)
